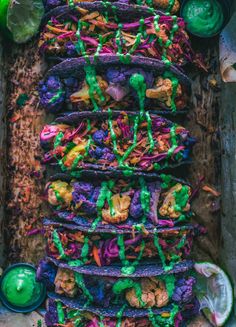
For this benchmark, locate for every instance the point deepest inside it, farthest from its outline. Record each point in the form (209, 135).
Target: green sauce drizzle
(80, 282)
(166, 181)
(57, 242)
(87, 147)
(138, 83)
(94, 87)
(171, 5)
(123, 284)
(162, 256)
(84, 254)
(145, 198)
(174, 142)
(181, 198)
(120, 315)
(60, 313)
(149, 128)
(158, 320)
(58, 139)
(128, 267)
(56, 96)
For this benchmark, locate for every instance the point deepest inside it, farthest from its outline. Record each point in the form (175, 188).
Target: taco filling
(78, 248)
(171, 6)
(146, 292)
(128, 143)
(117, 87)
(68, 314)
(105, 29)
(118, 201)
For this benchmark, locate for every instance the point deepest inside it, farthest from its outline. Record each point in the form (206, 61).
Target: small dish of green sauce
(204, 18)
(19, 290)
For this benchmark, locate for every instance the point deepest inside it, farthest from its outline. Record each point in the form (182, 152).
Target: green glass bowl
(19, 274)
(226, 8)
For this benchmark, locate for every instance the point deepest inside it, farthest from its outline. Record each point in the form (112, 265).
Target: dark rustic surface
(203, 123)
(228, 142)
(25, 183)
(3, 152)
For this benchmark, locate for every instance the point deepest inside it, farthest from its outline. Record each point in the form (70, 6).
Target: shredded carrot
(56, 30)
(96, 256)
(211, 190)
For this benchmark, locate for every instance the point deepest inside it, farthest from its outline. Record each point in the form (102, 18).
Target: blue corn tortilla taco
(149, 292)
(122, 251)
(115, 141)
(71, 313)
(169, 6)
(102, 83)
(99, 28)
(104, 200)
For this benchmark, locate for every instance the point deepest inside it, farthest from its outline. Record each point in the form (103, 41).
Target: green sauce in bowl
(203, 17)
(19, 290)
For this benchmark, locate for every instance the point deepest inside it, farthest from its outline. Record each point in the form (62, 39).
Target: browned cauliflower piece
(169, 203)
(154, 294)
(83, 94)
(121, 206)
(65, 282)
(59, 193)
(163, 91)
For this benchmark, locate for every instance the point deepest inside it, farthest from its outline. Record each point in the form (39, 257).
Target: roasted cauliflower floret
(83, 95)
(163, 90)
(154, 294)
(119, 211)
(65, 282)
(60, 193)
(170, 206)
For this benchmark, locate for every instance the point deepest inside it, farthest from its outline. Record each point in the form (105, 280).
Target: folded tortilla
(106, 83)
(104, 202)
(155, 291)
(63, 311)
(94, 28)
(165, 5)
(115, 141)
(68, 243)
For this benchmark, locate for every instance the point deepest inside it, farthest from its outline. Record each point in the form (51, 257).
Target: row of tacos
(153, 298)
(118, 233)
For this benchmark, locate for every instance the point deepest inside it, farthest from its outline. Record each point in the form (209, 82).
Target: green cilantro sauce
(60, 313)
(20, 287)
(203, 17)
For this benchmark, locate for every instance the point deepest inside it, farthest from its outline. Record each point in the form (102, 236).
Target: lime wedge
(21, 17)
(214, 292)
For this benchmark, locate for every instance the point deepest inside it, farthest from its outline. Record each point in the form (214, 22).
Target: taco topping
(116, 88)
(128, 143)
(84, 32)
